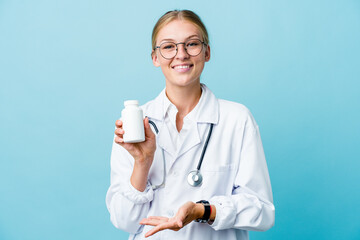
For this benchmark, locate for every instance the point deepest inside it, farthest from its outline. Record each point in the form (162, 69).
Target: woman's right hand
(142, 152)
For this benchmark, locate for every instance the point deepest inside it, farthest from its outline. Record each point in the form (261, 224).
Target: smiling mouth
(179, 67)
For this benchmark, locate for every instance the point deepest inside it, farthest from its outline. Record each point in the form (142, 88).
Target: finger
(177, 221)
(159, 218)
(119, 132)
(119, 140)
(153, 221)
(180, 223)
(118, 123)
(180, 216)
(163, 226)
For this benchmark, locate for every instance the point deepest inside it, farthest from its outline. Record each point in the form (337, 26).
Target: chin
(184, 82)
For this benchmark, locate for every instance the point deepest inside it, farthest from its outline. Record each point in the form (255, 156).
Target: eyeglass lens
(193, 47)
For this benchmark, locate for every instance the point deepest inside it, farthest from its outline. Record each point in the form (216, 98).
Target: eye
(193, 43)
(168, 46)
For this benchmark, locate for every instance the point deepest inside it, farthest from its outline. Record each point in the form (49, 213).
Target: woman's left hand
(186, 214)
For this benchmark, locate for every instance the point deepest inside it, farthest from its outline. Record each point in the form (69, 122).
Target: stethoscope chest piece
(194, 178)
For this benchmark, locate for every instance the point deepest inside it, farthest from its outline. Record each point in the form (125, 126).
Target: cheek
(165, 68)
(164, 62)
(200, 63)
(201, 59)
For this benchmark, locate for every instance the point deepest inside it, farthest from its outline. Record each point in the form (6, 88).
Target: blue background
(67, 66)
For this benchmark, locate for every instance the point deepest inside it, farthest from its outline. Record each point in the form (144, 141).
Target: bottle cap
(131, 102)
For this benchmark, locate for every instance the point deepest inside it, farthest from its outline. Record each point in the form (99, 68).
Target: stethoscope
(194, 177)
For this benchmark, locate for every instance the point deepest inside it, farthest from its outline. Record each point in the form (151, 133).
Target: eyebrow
(171, 40)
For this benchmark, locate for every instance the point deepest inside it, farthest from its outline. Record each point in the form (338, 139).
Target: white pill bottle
(133, 124)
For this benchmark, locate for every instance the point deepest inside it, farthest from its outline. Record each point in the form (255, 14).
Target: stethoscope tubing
(205, 146)
(195, 177)
(154, 125)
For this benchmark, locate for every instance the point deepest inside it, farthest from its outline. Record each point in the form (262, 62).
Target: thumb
(148, 131)
(180, 223)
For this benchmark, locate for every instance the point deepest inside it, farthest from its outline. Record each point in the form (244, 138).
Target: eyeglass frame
(176, 45)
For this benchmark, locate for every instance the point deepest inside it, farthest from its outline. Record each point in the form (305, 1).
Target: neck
(184, 98)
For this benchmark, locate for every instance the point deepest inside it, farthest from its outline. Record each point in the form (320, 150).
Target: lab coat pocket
(218, 168)
(217, 180)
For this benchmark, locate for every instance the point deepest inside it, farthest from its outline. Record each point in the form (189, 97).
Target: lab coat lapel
(208, 112)
(164, 140)
(155, 111)
(192, 139)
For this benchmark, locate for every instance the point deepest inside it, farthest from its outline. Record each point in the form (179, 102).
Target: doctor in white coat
(149, 195)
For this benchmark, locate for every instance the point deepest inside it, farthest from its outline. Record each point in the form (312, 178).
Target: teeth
(181, 67)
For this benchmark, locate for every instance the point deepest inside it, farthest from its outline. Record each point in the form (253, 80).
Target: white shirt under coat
(235, 174)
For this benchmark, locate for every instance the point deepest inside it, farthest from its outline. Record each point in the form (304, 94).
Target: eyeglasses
(168, 50)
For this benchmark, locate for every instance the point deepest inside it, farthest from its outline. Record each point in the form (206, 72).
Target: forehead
(178, 30)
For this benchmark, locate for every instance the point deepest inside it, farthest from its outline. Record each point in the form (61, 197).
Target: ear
(207, 53)
(155, 59)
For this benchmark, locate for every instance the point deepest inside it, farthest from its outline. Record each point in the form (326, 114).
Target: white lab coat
(235, 174)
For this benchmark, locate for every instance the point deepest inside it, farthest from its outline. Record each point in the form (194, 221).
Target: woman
(151, 189)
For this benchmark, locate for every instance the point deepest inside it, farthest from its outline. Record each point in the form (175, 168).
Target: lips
(182, 67)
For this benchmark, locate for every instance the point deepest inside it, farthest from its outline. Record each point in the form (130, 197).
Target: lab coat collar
(153, 109)
(166, 104)
(207, 112)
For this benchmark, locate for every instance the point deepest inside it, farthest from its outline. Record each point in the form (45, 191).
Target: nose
(181, 51)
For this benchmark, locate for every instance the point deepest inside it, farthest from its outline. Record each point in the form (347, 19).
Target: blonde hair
(179, 15)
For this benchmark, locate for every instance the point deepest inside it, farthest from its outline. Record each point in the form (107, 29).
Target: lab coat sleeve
(250, 207)
(126, 205)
